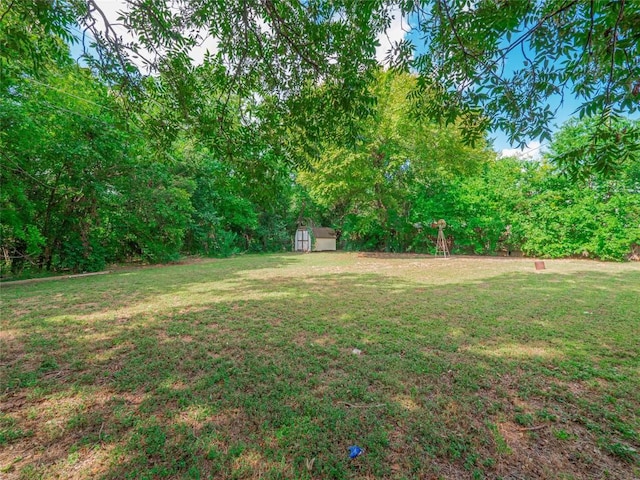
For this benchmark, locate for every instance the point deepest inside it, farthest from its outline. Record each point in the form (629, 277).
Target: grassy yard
(243, 368)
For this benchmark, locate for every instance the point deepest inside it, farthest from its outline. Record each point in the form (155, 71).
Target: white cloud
(113, 9)
(392, 35)
(470, 6)
(207, 44)
(532, 151)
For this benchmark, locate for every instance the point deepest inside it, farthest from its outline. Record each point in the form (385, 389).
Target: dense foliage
(516, 206)
(369, 188)
(482, 64)
(79, 187)
(82, 187)
(214, 161)
(85, 182)
(386, 193)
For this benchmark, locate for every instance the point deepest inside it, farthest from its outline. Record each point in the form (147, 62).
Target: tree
(580, 147)
(463, 50)
(80, 188)
(504, 63)
(370, 187)
(85, 182)
(513, 205)
(146, 163)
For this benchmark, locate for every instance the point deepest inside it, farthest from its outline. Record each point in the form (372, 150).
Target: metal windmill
(441, 243)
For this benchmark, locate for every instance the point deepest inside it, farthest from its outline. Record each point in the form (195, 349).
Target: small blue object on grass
(355, 451)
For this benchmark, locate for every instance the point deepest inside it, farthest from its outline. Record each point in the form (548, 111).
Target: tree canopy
(485, 64)
(115, 158)
(504, 60)
(387, 191)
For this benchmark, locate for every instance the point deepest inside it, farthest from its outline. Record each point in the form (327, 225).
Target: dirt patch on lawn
(51, 433)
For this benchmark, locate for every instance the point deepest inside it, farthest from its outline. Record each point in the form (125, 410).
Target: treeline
(510, 207)
(81, 187)
(404, 175)
(86, 183)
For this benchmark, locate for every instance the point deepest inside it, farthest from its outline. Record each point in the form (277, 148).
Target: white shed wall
(323, 244)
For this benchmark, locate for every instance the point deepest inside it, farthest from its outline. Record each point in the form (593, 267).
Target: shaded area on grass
(211, 373)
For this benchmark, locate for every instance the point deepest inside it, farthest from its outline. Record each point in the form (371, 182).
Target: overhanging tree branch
(7, 10)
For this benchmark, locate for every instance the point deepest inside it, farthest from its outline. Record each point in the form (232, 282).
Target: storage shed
(325, 239)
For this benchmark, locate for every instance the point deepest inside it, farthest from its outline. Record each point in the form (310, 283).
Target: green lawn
(243, 368)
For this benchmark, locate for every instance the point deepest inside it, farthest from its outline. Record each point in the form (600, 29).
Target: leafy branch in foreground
(486, 65)
(508, 65)
(596, 146)
(516, 62)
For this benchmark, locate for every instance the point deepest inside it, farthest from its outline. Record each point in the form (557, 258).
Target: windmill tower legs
(441, 245)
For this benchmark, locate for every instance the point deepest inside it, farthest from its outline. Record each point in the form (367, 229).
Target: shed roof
(323, 232)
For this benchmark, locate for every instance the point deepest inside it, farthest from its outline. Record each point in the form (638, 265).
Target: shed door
(303, 241)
